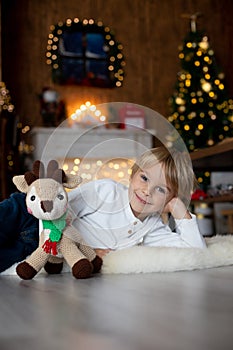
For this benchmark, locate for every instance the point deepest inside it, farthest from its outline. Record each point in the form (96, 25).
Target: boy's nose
(146, 190)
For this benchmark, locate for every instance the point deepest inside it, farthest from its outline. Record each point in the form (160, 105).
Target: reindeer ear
(72, 181)
(20, 183)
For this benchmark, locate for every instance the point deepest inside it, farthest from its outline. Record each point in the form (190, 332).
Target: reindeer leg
(80, 265)
(85, 249)
(54, 265)
(32, 265)
(95, 260)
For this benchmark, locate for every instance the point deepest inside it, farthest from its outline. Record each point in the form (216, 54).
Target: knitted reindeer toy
(47, 200)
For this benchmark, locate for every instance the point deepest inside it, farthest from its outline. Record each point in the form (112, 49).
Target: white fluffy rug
(139, 259)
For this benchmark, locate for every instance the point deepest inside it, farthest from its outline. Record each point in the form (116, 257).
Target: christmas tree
(201, 110)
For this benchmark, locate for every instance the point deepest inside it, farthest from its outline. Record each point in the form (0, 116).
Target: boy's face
(148, 191)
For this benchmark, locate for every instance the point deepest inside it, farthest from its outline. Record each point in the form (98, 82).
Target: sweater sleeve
(186, 234)
(189, 232)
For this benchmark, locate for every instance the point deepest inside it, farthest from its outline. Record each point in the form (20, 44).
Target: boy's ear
(20, 183)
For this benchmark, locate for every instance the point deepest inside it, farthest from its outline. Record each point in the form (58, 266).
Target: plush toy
(47, 200)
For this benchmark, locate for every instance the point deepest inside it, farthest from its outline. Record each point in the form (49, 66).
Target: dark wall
(150, 30)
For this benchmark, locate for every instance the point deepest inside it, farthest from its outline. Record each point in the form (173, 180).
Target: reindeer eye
(32, 198)
(60, 196)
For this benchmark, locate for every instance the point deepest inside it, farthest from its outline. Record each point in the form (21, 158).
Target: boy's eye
(143, 177)
(160, 189)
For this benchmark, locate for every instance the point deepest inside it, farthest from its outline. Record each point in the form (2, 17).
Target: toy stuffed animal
(47, 200)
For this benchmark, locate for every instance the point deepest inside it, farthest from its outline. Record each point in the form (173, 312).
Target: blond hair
(177, 168)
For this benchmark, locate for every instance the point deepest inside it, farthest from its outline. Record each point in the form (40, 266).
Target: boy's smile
(140, 199)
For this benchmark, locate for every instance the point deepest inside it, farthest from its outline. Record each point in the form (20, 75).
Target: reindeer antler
(52, 167)
(38, 169)
(36, 173)
(55, 173)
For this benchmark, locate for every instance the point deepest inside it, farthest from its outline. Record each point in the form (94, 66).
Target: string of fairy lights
(8, 111)
(87, 114)
(7, 108)
(5, 98)
(114, 49)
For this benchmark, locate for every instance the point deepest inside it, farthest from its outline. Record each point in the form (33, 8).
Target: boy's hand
(177, 208)
(102, 252)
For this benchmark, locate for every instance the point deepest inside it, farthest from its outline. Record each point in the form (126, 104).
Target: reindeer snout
(46, 206)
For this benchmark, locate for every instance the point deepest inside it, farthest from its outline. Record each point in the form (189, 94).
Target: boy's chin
(139, 213)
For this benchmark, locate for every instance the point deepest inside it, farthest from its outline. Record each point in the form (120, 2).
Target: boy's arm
(186, 223)
(186, 233)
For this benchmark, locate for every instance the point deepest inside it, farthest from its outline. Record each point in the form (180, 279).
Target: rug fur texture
(140, 259)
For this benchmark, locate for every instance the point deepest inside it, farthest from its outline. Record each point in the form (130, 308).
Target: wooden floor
(161, 311)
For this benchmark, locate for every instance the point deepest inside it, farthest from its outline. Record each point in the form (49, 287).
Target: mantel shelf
(215, 158)
(64, 142)
(217, 199)
(222, 147)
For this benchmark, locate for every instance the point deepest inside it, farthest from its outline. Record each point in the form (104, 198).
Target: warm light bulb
(97, 113)
(204, 45)
(83, 107)
(92, 108)
(206, 86)
(179, 101)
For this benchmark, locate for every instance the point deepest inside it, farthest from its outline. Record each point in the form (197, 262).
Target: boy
(111, 216)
